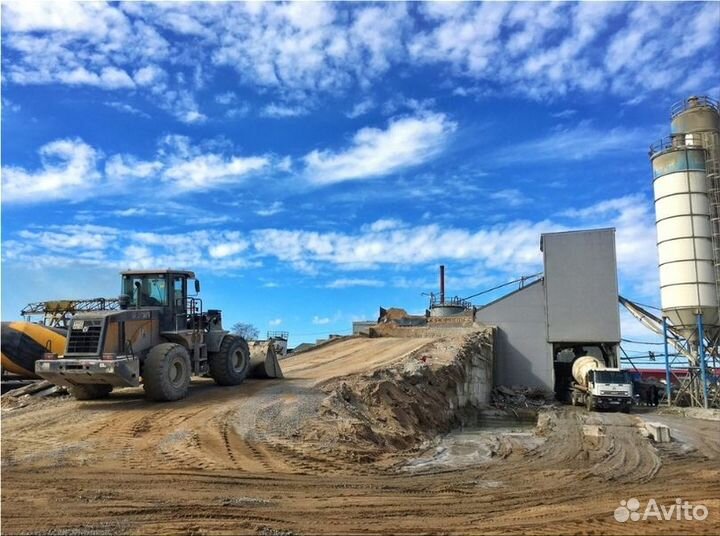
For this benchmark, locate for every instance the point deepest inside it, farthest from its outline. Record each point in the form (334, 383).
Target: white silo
(684, 234)
(697, 118)
(686, 183)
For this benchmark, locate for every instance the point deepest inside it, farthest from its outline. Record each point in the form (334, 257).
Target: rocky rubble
(521, 397)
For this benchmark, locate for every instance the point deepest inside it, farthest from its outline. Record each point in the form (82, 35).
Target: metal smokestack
(442, 284)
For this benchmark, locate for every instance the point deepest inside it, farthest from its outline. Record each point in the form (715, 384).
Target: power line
(643, 342)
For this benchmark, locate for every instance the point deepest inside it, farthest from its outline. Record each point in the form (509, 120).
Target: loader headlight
(44, 366)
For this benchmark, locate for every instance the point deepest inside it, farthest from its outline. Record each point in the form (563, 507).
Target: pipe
(442, 284)
(668, 386)
(701, 356)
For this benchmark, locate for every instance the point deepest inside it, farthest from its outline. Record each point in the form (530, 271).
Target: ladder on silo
(711, 142)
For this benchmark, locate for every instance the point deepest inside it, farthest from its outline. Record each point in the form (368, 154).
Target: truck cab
(609, 388)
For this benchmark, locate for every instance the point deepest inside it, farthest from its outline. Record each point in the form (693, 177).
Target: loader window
(179, 292)
(147, 290)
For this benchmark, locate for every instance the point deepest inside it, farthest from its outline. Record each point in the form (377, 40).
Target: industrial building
(572, 310)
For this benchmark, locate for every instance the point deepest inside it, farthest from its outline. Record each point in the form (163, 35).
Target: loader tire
(90, 391)
(229, 365)
(166, 372)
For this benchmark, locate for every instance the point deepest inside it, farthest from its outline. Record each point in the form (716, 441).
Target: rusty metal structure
(440, 306)
(58, 313)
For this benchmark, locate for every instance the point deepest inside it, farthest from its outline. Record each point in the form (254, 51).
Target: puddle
(477, 444)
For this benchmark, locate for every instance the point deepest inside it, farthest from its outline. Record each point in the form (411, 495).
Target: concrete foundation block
(659, 432)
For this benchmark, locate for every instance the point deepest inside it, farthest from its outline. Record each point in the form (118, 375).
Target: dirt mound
(397, 408)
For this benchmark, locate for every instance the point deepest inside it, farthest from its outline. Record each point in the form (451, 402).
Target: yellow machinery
(24, 343)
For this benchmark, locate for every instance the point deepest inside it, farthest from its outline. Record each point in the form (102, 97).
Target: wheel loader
(160, 336)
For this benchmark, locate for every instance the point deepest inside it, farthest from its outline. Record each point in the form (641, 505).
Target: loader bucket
(263, 360)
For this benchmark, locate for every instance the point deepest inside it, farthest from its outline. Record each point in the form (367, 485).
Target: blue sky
(313, 161)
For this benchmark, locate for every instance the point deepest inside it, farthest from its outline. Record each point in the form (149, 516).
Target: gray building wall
(522, 354)
(581, 286)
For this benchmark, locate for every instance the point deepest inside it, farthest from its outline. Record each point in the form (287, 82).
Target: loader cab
(164, 289)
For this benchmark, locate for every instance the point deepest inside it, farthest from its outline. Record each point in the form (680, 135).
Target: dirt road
(231, 460)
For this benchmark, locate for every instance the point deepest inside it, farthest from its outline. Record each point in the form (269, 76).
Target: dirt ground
(243, 460)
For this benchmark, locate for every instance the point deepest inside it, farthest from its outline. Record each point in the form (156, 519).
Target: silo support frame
(693, 379)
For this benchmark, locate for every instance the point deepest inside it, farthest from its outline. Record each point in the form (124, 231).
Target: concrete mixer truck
(599, 387)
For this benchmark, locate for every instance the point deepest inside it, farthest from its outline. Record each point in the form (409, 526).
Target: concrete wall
(581, 286)
(522, 355)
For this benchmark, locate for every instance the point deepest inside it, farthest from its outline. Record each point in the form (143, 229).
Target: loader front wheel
(90, 391)
(166, 372)
(229, 365)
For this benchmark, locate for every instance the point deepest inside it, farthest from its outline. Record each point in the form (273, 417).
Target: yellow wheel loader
(160, 336)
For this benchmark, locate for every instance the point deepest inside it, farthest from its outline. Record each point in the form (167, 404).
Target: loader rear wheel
(229, 365)
(166, 372)
(90, 391)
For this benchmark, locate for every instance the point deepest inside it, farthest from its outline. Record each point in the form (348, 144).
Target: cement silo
(684, 235)
(697, 119)
(686, 188)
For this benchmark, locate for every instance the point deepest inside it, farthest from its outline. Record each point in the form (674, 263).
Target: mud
(262, 458)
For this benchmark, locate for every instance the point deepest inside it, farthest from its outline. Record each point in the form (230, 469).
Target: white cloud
(511, 247)
(407, 141)
(384, 224)
(211, 170)
(361, 108)
(123, 166)
(126, 108)
(510, 196)
(273, 208)
(320, 321)
(299, 53)
(275, 322)
(579, 142)
(68, 171)
(309, 46)
(9, 106)
(228, 97)
(355, 282)
(279, 111)
(129, 212)
(636, 248)
(479, 256)
(238, 111)
(149, 75)
(220, 251)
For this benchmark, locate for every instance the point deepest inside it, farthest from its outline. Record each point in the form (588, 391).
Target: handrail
(676, 141)
(685, 104)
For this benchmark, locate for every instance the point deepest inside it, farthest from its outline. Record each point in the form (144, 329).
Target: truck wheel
(230, 364)
(166, 372)
(90, 391)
